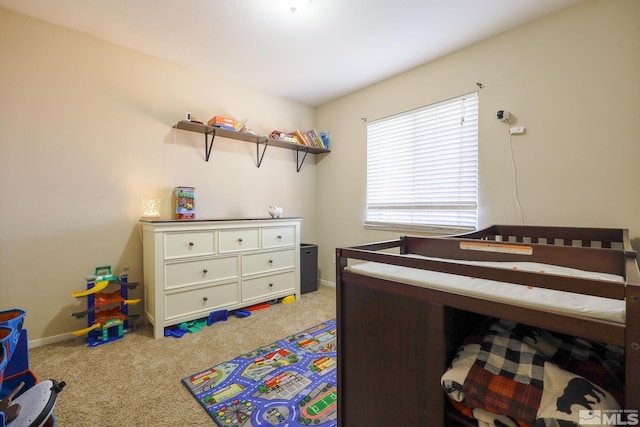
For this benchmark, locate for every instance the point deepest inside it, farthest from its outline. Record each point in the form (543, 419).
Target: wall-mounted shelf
(258, 140)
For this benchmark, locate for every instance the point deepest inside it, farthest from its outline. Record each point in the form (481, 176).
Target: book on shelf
(283, 136)
(313, 136)
(309, 138)
(222, 122)
(302, 138)
(319, 140)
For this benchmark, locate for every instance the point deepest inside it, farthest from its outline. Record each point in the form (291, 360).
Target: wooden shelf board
(292, 146)
(225, 133)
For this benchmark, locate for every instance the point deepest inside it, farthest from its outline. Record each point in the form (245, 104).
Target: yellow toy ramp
(85, 331)
(289, 299)
(97, 288)
(132, 301)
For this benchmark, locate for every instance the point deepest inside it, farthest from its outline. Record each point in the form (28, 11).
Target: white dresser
(194, 267)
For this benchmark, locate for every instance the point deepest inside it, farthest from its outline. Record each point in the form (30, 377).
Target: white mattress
(526, 296)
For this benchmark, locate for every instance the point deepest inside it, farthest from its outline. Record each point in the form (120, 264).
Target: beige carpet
(135, 381)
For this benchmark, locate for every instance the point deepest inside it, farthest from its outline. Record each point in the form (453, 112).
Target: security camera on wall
(502, 115)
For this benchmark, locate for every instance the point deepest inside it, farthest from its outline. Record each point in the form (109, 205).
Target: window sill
(426, 229)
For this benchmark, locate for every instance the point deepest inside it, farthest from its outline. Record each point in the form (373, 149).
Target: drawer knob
(191, 244)
(240, 240)
(270, 261)
(205, 271)
(205, 299)
(271, 285)
(279, 237)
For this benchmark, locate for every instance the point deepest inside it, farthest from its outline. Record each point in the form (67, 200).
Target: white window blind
(422, 167)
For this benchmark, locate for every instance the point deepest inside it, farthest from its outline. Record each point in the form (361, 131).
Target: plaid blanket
(514, 375)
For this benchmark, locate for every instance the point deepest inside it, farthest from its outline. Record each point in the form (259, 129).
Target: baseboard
(327, 283)
(50, 340)
(69, 336)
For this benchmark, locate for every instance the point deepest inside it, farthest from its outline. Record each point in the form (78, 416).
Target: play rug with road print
(291, 382)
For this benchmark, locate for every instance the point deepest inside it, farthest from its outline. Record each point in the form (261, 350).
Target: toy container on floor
(17, 371)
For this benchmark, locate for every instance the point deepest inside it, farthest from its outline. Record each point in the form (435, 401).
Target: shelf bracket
(259, 157)
(208, 145)
(298, 161)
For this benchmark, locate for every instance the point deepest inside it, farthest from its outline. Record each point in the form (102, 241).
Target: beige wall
(86, 133)
(571, 79)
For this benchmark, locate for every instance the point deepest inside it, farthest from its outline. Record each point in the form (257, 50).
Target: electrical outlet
(516, 130)
(334, 258)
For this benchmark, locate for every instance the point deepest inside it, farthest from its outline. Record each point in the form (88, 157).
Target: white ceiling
(329, 49)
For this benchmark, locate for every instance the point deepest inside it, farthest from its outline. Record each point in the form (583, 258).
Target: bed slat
(590, 259)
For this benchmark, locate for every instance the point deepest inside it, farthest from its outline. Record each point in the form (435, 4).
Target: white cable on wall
(515, 176)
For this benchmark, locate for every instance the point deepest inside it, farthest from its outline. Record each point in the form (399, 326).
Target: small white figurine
(275, 211)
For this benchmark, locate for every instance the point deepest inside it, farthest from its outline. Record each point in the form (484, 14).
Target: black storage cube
(308, 268)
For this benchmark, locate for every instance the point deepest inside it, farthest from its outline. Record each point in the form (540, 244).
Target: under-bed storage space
(396, 339)
(388, 338)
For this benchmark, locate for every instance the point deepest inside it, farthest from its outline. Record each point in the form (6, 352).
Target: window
(422, 167)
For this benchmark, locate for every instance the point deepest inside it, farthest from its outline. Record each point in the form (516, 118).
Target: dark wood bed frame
(395, 339)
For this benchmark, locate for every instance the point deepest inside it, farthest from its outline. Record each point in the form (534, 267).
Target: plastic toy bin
(10, 383)
(18, 371)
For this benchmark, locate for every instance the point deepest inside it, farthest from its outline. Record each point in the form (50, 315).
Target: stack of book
(283, 136)
(309, 138)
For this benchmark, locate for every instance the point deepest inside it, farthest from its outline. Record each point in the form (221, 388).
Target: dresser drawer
(264, 286)
(269, 261)
(189, 273)
(197, 243)
(205, 299)
(275, 237)
(239, 240)
(194, 267)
